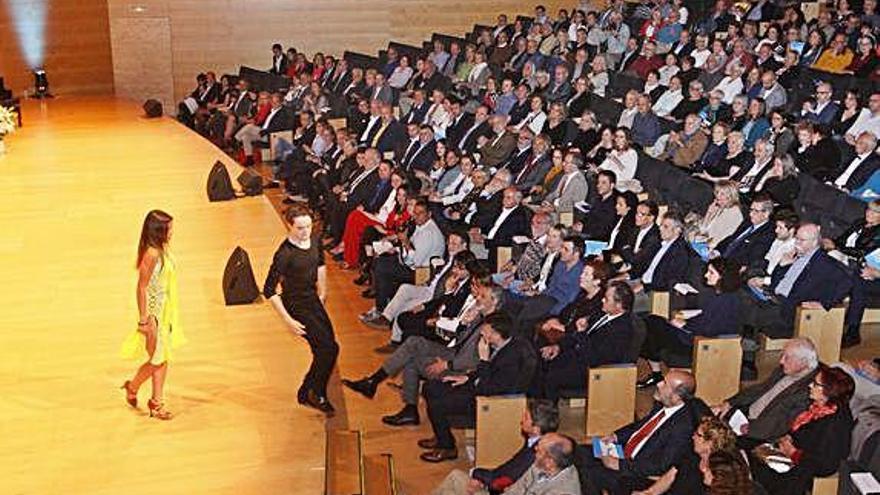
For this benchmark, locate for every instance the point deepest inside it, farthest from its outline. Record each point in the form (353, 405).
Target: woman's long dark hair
(154, 233)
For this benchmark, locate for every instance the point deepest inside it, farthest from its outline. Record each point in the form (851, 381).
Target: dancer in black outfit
(298, 266)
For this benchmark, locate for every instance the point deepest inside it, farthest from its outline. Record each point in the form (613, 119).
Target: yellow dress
(161, 303)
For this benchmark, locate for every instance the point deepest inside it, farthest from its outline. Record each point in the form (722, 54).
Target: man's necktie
(644, 432)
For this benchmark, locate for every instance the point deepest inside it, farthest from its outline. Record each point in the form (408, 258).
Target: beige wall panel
(142, 59)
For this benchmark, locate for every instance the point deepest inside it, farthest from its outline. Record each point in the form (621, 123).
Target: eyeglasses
(817, 384)
(756, 210)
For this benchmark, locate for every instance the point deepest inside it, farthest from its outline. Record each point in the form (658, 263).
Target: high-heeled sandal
(158, 411)
(130, 397)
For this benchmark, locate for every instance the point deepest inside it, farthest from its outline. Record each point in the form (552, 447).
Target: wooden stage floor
(74, 187)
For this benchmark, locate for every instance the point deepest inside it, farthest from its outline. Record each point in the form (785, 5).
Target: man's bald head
(554, 453)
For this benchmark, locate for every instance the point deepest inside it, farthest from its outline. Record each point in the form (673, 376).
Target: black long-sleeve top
(297, 271)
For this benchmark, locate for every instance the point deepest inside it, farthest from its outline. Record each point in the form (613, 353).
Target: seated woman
(732, 162)
(716, 465)
(558, 128)
(398, 220)
(722, 217)
(673, 339)
(375, 213)
(587, 304)
(625, 230)
(818, 440)
(860, 238)
(780, 182)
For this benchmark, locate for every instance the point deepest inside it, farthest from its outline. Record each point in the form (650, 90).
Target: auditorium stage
(74, 187)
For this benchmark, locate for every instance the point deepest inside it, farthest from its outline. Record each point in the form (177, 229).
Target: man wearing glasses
(823, 110)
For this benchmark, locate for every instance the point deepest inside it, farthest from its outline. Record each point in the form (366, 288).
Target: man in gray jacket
(772, 405)
(420, 358)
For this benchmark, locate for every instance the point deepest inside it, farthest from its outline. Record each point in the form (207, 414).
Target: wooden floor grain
(74, 188)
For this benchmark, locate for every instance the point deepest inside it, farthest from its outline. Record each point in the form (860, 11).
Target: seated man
(636, 255)
(392, 270)
(420, 358)
(539, 418)
(750, 242)
(510, 222)
(651, 445)
(409, 296)
(771, 406)
(506, 366)
(805, 276)
(607, 340)
(279, 119)
(669, 264)
(553, 470)
(562, 288)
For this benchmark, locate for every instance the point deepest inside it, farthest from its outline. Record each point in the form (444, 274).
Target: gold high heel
(158, 411)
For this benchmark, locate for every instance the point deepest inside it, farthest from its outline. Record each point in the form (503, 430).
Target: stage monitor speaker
(220, 184)
(153, 108)
(251, 182)
(239, 285)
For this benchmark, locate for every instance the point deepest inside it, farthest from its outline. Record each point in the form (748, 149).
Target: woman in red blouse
(819, 437)
(359, 219)
(651, 27)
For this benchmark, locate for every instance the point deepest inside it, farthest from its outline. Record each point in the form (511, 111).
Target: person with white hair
(770, 406)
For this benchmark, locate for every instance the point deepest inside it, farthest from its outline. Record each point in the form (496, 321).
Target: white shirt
(774, 254)
(534, 121)
(270, 117)
(667, 102)
(388, 206)
(505, 212)
(731, 87)
(841, 180)
(648, 276)
(546, 268)
(865, 122)
(640, 237)
(428, 242)
(370, 124)
(746, 181)
(700, 57)
(626, 117)
(667, 413)
(463, 187)
(626, 169)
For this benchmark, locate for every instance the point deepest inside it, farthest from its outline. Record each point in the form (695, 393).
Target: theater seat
(611, 398)
(823, 328)
(342, 475)
(498, 432)
(379, 475)
(716, 367)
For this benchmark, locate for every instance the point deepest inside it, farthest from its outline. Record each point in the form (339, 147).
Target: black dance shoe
(320, 403)
(364, 386)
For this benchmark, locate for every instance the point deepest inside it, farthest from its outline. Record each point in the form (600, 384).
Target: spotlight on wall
(41, 84)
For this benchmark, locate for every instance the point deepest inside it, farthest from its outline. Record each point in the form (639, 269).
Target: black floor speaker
(239, 285)
(251, 182)
(220, 184)
(153, 109)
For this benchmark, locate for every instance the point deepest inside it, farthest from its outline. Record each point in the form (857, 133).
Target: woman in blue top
(719, 315)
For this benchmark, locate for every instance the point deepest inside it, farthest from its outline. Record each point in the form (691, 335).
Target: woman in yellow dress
(158, 330)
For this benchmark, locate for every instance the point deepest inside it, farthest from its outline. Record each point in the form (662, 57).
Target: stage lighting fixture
(41, 84)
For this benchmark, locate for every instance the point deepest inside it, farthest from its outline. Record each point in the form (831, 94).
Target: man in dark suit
(479, 126)
(483, 210)
(772, 405)
(540, 417)
(604, 340)
(341, 78)
(512, 221)
(506, 367)
(460, 121)
(854, 174)
(650, 445)
(750, 242)
(357, 192)
(517, 159)
(600, 221)
(806, 276)
(639, 253)
(536, 166)
(420, 156)
(391, 132)
(669, 265)
(497, 148)
(279, 61)
(684, 45)
(418, 110)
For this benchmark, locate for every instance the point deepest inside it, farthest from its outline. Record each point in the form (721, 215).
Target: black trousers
(865, 294)
(599, 479)
(661, 341)
(444, 402)
(562, 373)
(388, 275)
(319, 334)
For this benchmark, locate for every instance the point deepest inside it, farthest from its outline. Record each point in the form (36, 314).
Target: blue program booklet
(605, 449)
(594, 247)
(873, 259)
(758, 293)
(701, 248)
